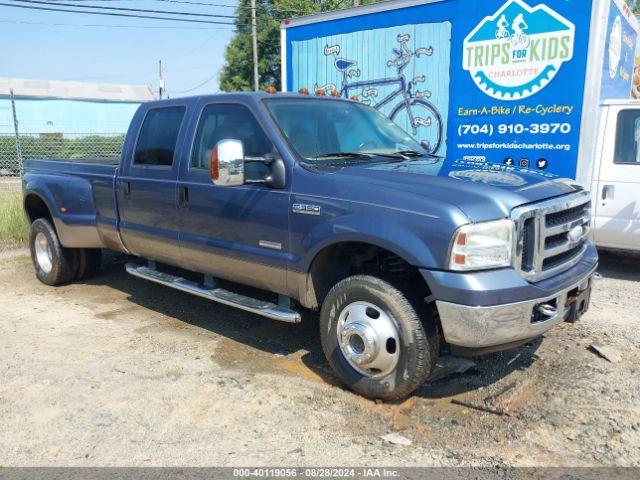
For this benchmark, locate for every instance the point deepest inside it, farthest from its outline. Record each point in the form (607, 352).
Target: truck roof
(247, 96)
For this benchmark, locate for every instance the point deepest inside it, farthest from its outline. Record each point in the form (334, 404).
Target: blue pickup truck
(277, 204)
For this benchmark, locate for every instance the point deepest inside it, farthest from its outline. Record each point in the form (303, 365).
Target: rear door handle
(127, 188)
(183, 197)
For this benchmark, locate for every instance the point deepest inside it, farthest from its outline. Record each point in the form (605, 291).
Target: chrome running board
(248, 304)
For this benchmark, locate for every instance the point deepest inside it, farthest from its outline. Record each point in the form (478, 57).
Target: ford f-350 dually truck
(229, 197)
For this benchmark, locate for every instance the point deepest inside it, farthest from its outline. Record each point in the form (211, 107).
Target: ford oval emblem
(576, 233)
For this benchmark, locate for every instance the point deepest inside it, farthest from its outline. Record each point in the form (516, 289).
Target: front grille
(567, 216)
(552, 235)
(561, 258)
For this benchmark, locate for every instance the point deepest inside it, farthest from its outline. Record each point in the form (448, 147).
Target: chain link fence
(20, 142)
(14, 150)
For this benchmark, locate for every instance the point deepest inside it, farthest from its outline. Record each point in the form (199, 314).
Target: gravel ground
(120, 372)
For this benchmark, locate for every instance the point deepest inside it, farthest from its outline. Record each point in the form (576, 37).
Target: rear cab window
(158, 137)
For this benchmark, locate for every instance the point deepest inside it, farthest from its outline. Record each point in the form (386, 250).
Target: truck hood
(481, 193)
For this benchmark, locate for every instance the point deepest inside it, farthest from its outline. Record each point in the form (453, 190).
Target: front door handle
(127, 188)
(183, 197)
(608, 193)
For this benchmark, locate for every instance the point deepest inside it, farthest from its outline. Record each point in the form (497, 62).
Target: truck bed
(80, 196)
(110, 160)
(77, 165)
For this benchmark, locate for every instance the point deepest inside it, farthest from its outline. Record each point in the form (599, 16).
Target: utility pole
(15, 127)
(160, 81)
(254, 39)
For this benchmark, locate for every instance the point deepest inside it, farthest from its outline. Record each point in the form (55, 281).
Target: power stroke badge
(516, 52)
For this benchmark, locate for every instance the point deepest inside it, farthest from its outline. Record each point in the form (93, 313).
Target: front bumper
(477, 327)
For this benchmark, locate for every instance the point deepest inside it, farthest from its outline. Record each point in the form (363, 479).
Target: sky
(93, 48)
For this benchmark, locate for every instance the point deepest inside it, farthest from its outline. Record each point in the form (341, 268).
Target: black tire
(89, 262)
(63, 261)
(417, 349)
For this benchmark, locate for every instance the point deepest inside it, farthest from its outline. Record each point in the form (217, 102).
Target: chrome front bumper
(480, 327)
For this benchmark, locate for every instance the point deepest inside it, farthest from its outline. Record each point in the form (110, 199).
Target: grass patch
(14, 228)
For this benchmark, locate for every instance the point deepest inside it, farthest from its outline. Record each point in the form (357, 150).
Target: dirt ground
(121, 372)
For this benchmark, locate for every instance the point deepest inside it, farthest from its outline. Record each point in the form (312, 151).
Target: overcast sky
(63, 46)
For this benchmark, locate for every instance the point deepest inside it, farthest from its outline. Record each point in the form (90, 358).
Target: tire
(89, 262)
(54, 264)
(415, 351)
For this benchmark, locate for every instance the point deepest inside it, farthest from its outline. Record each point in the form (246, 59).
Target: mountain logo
(518, 51)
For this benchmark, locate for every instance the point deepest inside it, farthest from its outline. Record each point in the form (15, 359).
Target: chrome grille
(549, 240)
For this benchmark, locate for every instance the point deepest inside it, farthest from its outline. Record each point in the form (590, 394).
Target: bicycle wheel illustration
(427, 126)
(521, 40)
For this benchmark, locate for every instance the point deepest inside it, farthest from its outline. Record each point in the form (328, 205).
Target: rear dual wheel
(55, 264)
(374, 338)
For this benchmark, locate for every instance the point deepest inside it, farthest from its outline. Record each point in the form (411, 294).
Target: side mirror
(227, 163)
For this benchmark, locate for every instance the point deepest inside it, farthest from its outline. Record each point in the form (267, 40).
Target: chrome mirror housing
(227, 163)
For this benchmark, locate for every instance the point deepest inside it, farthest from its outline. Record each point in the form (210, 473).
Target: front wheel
(424, 123)
(374, 339)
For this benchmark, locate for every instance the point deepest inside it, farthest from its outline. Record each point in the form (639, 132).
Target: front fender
(394, 237)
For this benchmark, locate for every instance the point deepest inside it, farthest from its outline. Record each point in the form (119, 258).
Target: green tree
(237, 73)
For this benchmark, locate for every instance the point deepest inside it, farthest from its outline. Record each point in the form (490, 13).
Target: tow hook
(597, 276)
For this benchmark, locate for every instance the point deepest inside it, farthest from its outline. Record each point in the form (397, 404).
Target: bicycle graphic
(413, 108)
(518, 39)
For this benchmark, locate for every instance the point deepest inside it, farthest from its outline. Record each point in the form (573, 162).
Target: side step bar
(253, 305)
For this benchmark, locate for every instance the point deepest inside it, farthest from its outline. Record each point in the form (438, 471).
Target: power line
(237, 7)
(140, 74)
(200, 45)
(162, 12)
(111, 14)
(100, 25)
(206, 4)
(199, 85)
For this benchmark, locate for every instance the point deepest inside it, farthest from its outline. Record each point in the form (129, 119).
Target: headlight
(482, 246)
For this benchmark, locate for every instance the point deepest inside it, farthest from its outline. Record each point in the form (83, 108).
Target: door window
(231, 122)
(628, 137)
(158, 136)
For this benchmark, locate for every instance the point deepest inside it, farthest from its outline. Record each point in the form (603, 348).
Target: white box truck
(494, 85)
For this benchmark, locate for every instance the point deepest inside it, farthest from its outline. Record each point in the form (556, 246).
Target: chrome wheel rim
(44, 257)
(368, 338)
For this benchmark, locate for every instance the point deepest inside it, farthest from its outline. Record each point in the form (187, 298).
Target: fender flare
(412, 249)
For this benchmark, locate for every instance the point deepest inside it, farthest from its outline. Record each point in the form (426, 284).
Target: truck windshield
(322, 130)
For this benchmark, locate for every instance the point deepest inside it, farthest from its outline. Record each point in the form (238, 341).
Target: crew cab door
(238, 233)
(146, 186)
(617, 200)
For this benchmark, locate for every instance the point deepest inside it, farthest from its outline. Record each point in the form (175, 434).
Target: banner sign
(508, 96)
(620, 52)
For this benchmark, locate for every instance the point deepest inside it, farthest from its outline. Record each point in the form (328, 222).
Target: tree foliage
(237, 73)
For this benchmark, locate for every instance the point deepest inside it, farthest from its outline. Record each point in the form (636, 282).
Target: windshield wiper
(410, 153)
(420, 154)
(343, 155)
